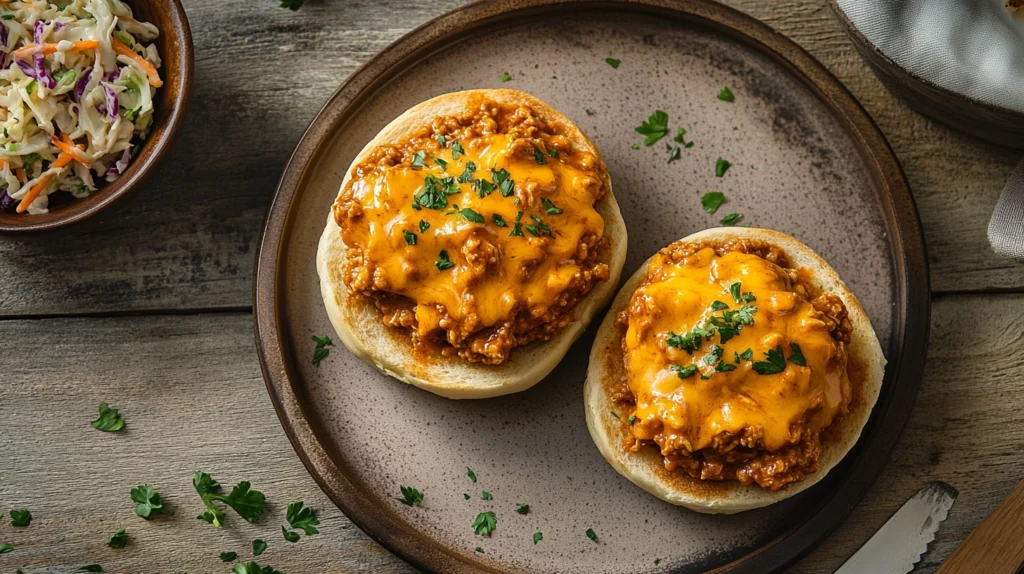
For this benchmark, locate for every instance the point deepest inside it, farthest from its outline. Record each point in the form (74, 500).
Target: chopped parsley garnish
(109, 420)
(655, 128)
(424, 226)
(292, 5)
(718, 306)
(498, 220)
(252, 568)
(467, 174)
(613, 62)
(457, 149)
(304, 517)
(680, 132)
(745, 355)
(228, 556)
(5, 548)
(674, 153)
(485, 523)
(632, 420)
(466, 213)
(503, 182)
(418, 159)
(441, 141)
(589, 111)
(689, 342)
(465, 495)
(591, 534)
(410, 237)
(714, 355)
(539, 156)
(21, 517)
(539, 228)
(550, 208)
(504, 76)
(721, 166)
(258, 546)
(517, 229)
(470, 474)
(242, 499)
(441, 162)
(537, 537)
(443, 262)
(522, 508)
(731, 219)
(657, 561)
(797, 358)
(119, 540)
(486, 495)
(435, 193)
(410, 496)
(480, 550)
(712, 200)
(775, 364)
(91, 568)
(723, 367)
(684, 372)
(321, 351)
(553, 153)
(726, 95)
(734, 290)
(147, 501)
(748, 297)
(289, 536)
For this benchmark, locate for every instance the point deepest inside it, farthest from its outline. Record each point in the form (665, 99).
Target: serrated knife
(901, 541)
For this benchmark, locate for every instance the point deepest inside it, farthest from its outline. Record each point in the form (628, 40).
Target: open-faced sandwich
(472, 242)
(734, 370)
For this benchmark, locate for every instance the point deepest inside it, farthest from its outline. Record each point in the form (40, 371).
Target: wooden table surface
(150, 310)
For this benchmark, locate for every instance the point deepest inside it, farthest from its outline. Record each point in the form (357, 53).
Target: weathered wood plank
(262, 73)
(191, 391)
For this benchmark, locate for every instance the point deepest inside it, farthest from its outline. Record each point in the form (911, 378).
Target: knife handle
(996, 546)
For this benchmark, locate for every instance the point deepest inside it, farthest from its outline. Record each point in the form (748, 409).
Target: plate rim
(910, 330)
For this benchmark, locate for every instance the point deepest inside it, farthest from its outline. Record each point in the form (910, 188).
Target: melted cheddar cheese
(725, 379)
(460, 259)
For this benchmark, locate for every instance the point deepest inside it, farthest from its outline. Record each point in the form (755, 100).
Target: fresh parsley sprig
(248, 503)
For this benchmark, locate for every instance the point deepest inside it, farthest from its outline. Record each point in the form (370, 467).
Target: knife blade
(901, 541)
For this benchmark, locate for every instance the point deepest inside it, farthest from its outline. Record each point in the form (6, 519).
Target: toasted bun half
(646, 468)
(359, 324)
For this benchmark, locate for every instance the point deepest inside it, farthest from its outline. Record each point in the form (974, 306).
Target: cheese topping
(725, 349)
(479, 233)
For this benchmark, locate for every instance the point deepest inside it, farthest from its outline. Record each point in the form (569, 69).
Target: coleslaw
(76, 97)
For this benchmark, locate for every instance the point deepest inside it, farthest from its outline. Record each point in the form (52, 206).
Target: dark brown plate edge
(986, 121)
(910, 332)
(155, 149)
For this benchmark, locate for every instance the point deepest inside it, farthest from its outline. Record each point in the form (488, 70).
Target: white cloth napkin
(1006, 228)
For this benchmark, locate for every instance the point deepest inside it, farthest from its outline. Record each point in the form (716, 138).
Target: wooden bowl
(170, 103)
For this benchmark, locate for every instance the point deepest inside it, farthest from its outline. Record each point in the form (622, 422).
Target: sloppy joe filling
(734, 365)
(477, 234)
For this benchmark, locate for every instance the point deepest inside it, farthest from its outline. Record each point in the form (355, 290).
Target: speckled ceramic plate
(806, 160)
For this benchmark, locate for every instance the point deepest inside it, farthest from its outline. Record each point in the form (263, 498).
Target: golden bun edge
(358, 322)
(645, 468)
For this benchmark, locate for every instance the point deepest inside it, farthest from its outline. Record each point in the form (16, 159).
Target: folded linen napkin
(1006, 228)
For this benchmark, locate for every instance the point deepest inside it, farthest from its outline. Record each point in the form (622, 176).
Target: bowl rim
(139, 171)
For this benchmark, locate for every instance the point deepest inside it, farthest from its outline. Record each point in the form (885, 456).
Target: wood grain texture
(996, 546)
(190, 388)
(262, 73)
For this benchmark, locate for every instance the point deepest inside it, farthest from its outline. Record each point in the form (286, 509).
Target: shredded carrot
(20, 174)
(154, 76)
(44, 181)
(66, 146)
(33, 49)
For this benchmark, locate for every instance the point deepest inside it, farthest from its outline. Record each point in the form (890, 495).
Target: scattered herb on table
(292, 5)
(712, 200)
(147, 501)
(91, 568)
(21, 517)
(321, 351)
(228, 556)
(5, 548)
(591, 534)
(613, 62)
(674, 153)
(258, 546)
(657, 561)
(304, 517)
(504, 76)
(485, 523)
(411, 496)
(252, 568)
(537, 537)
(589, 111)
(478, 549)
(470, 474)
(731, 219)
(109, 420)
(289, 535)
(654, 128)
(486, 495)
(465, 495)
(680, 133)
(522, 508)
(248, 503)
(119, 540)
(721, 165)
(726, 95)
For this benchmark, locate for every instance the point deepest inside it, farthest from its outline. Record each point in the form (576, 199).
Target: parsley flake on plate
(613, 62)
(321, 351)
(21, 517)
(443, 261)
(228, 556)
(147, 501)
(591, 534)
(731, 219)
(721, 165)
(522, 508)
(304, 517)
(119, 540)
(410, 496)
(537, 537)
(726, 95)
(289, 536)
(775, 364)
(504, 76)
(655, 128)
(109, 420)
(485, 523)
(258, 546)
(248, 503)
(711, 201)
